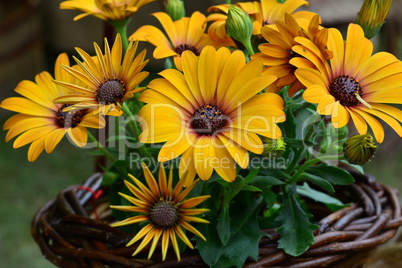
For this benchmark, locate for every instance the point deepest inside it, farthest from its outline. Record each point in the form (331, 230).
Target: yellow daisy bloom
(187, 33)
(354, 84)
(210, 113)
(265, 12)
(164, 208)
(40, 121)
(108, 81)
(278, 52)
(105, 9)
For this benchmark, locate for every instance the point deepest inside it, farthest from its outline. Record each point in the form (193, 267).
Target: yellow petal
(53, 138)
(204, 157)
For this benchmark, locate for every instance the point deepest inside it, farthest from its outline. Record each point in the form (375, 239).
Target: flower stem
(134, 128)
(101, 147)
(249, 47)
(121, 28)
(228, 2)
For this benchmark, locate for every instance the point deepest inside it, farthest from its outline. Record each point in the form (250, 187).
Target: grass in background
(25, 187)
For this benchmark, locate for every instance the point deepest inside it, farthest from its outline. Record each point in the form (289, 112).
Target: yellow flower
(279, 51)
(187, 33)
(164, 208)
(105, 9)
(108, 81)
(372, 16)
(266, 12)
(355, 84)
(40, 121)
(211, 113)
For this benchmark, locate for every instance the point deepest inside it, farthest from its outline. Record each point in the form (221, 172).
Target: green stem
(134, 128)
(228, 2)
(249, 47)
(121, 28)
(295, 160)
(101, 147)
(314, 161)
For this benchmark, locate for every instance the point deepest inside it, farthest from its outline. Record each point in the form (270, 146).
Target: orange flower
(164, 208)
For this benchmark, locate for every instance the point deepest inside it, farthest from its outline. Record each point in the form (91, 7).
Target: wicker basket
(70, 234)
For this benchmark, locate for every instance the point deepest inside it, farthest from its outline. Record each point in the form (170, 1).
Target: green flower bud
(372, 16)
(175, 9)
(273, 147)
(359, 149)
(239, 26)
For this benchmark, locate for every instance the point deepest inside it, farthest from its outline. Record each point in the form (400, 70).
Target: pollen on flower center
(346, 90)
(181, 48)
(69, 118)
(164, 214)
(208, 119)
(110, 92)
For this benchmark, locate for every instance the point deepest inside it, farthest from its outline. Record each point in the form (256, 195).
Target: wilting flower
(164, 208)
(372, 16)
(278, 53)
(359, 149)
(355, 84)
(108, 81)
(184, 34)
(210, 113)
(105, 9)
(40, 121)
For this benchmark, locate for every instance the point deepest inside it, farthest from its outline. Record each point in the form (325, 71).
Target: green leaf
(244, 238)
(263, 181)
(211, 249)
(251, 188)
(332, 174)
(296, 230)
(321, 197)
(223, 226)
(269, 197)
(110, 178)
(319, 181)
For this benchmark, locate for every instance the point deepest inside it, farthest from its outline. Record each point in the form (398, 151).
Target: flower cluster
(244, 84)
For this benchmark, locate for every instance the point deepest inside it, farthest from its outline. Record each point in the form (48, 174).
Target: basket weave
(69, 235)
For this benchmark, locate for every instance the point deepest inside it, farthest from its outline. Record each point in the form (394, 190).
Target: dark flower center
(164, 214)
(70, 118)
(111, 91)
(208, 119)
(181, 48)
(346, 90)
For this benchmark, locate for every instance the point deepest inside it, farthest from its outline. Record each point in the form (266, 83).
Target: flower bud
(273, 147)
(359, 149)
(175, 9)
(239, 25)
(372, 16)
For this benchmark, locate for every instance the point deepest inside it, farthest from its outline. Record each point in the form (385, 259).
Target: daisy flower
(105, 9)
(40, 121)
(266, 12)
(355, 84)
(210, 113)
(107, 80)
(164, 208)
(278, 52)
(187, 33)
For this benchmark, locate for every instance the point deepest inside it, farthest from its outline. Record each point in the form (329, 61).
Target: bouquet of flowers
(249, 118)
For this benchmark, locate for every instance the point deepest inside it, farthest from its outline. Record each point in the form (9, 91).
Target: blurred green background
(32, 34)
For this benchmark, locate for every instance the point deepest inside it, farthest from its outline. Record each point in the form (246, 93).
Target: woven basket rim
(69, 237)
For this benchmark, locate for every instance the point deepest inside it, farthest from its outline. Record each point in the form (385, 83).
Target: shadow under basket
(70, 234)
